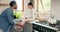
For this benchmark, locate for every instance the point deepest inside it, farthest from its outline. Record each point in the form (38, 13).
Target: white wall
(56, 8)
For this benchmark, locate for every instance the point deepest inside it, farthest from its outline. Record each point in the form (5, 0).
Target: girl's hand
(20, 24)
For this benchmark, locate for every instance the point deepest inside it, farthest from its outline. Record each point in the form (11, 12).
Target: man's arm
(10, 18)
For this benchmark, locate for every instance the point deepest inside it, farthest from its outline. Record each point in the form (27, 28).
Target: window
(19, 4)
(44, 5)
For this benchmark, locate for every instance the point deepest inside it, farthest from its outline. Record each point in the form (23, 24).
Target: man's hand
(21, 24)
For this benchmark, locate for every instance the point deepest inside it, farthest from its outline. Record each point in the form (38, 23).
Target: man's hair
(30, 4)
(12, 3)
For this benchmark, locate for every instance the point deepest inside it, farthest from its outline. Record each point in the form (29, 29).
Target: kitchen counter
(29, 26)
(45, 25)
(44, 28)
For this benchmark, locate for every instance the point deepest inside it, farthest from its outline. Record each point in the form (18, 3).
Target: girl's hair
(30, 4)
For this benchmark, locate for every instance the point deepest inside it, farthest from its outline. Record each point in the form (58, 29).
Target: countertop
(44, 25)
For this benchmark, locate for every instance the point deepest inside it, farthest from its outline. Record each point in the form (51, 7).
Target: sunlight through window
(19, 4)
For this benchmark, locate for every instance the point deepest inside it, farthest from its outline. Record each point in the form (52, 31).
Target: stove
(43, 27)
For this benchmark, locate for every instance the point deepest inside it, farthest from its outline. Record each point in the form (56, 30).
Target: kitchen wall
(55, 7)
(25, 4)
(35, 6)
(8, 1)
(4, 7)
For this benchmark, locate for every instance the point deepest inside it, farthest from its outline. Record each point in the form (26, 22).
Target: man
(7, 17)
(30, 12)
